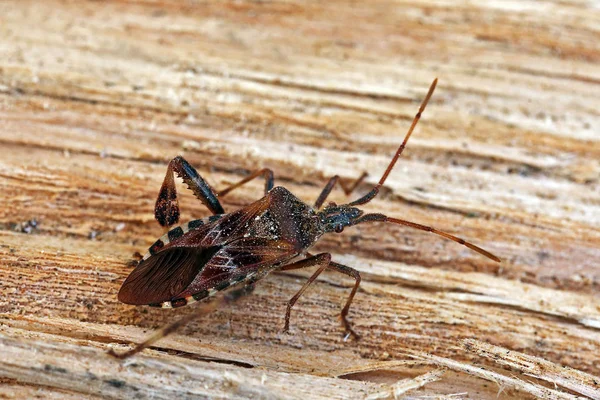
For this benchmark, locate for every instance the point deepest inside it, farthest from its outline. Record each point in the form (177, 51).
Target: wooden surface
(96, 98)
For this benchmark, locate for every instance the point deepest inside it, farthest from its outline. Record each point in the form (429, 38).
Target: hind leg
(166, 209)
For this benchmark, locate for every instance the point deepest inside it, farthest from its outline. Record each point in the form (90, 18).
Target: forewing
(238, 260)
(233, 226)
(164, 275)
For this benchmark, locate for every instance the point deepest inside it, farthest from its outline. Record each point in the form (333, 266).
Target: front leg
(166, 209)
(348, 189)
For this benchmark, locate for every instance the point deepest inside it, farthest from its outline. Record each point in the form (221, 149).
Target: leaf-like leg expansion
(331, 184)
(266, 172)
(166, 209)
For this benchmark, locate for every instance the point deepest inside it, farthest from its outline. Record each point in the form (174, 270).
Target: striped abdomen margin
(184, 301)
(178, 232)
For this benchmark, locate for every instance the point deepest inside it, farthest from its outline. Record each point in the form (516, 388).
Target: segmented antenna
(373, 193)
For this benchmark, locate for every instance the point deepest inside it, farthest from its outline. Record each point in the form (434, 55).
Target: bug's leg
(323, 260)
(159, 334)
(135, 261)
(166, 209)
(331, 184)
(203, 309)
(351, 272)
(265, 172)
(235, 294)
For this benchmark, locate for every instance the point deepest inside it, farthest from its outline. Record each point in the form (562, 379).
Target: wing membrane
(164, 275)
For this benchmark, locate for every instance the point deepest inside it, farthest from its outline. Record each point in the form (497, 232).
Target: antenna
(384, 218)
(373, 193)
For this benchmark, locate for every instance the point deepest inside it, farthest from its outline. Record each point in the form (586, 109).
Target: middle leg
(324, 262)
(265, 172)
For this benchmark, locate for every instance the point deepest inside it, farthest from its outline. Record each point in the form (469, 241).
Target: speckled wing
(239, 260)
(234, 226)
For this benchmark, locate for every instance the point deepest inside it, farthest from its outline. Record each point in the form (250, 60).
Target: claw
(348, 330)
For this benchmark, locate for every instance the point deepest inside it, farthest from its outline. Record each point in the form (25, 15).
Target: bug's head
(334, 218)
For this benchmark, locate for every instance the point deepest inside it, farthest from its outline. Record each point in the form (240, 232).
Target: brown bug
(202, 257)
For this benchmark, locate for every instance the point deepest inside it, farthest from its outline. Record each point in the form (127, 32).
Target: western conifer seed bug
(202, 257)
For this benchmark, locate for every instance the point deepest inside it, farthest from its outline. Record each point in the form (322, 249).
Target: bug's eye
(339, 228)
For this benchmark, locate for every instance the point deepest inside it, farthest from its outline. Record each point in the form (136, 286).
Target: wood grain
(97, 97)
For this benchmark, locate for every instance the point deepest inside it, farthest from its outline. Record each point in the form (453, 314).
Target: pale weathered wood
(96, 97)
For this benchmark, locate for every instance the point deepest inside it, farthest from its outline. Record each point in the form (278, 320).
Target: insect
(202, 257)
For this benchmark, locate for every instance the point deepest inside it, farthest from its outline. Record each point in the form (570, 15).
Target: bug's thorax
(292, 219)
